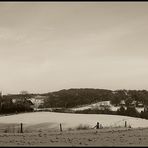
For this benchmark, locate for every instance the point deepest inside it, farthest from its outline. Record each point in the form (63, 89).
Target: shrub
(83, 127)
(132, 112)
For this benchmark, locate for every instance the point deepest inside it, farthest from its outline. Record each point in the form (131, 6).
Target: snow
(70, 120)
(139, 109)
(94, 105)
(97, 105)
(105, 103)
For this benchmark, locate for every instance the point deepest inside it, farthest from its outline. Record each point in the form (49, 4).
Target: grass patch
(83, 127)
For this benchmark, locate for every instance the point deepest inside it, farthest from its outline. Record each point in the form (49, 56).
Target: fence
(11, 128)
(21, 128)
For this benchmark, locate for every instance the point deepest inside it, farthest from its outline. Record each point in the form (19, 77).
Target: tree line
(77, 97)
(129, 111)
(15, 104)
(66, 99)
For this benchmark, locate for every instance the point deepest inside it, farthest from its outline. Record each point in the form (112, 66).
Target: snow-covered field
(103, 103)
(51, 120)
(96, 105)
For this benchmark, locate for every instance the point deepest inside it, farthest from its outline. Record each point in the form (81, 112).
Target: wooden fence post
(125, 123)
(97, 127)
(101, 126)
(21, 127)
(13, 128)
(60, 127)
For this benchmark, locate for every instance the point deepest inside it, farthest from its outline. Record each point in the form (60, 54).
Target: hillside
(75, 97)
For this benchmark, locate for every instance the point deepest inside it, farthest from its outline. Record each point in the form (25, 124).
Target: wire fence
(25, 128)
(22, 128)
(10, 128)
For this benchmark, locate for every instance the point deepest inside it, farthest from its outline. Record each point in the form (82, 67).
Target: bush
(82, 127)
(132, 112)
(144, 115)
(121, 111)
(96, 111)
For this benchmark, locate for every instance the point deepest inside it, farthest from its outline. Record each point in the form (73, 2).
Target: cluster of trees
(96, 111)
(76, 97)
(129, 96)
(129, 111)
(20, 105)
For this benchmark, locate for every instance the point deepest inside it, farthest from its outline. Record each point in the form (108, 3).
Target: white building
(37, 101)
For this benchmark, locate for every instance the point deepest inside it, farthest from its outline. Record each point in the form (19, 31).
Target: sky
(49, 46)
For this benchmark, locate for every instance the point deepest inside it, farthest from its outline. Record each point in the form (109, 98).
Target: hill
(75, 97)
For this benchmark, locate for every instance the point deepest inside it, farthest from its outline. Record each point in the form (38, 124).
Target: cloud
(73, 45)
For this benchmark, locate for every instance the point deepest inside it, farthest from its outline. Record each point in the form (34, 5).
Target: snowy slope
(68, 120)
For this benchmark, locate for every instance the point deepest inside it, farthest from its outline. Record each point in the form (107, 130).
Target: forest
(75, 97)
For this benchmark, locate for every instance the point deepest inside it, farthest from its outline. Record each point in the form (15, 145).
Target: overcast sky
(50, 46)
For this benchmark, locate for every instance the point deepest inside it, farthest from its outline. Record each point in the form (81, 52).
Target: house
(18, 100)
(104, 103)
(140, 104)
(132, 104)
(37, 101)
(28, 103)
(122, 103)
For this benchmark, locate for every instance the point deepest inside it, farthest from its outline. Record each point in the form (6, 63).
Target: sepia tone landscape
(73, 74)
